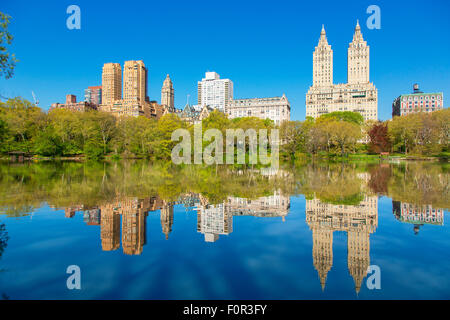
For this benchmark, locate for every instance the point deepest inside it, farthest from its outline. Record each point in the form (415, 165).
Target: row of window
(438, 97)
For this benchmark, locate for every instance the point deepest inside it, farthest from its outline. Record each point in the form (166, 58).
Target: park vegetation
(344, 133)
(24, 127)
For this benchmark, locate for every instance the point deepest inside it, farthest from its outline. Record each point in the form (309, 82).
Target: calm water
(139, 231)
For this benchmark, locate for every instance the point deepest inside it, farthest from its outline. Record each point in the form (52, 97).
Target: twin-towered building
(357, 95)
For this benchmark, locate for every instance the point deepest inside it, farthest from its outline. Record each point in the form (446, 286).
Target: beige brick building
(135, 101)
(358, 94)
(111, 83)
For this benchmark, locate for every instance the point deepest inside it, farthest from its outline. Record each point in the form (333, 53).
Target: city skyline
(255, 72)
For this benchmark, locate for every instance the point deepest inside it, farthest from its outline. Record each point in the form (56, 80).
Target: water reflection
(358, 221)
(213, 220)
(119, 197)
(418, 215)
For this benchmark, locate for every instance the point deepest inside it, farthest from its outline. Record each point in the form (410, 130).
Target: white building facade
(277, 109)
(215, 92)
(357, 95)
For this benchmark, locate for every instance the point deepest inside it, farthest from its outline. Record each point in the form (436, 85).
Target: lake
(138, 230)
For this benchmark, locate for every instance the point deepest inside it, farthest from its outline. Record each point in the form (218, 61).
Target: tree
(107, 127)
(68, 126)
(292, 137)
(379, 138)
(7, 60)
(401, 133)
(24, 120)
(347, 116)
(216, 120)
(442, 121)
(345, 134)
(48, 143)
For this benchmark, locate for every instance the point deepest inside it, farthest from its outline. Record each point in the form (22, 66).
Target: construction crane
(36, 101)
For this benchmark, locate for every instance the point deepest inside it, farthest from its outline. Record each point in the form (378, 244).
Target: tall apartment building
(135, 101)
(111, 83)
(417, 102)
(215, 92)
(93, 95)
(134, 82)
(277, 109)
(357, 95)
(168, 95)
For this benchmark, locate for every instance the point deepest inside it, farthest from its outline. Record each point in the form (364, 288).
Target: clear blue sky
(264, 47)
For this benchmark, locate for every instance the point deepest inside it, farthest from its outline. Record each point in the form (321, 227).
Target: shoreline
(329, 158)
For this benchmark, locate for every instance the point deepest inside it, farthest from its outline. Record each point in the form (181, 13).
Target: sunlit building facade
(416, 102)
(357, 95)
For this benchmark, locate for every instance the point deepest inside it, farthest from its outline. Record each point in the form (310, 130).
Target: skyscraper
(167, 95)
(215, 92)
(357, 95)
(323, 62)
(358, 58)
(111, 83)
(134, 82)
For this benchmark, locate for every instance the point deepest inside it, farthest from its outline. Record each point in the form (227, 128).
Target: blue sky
(264, 47)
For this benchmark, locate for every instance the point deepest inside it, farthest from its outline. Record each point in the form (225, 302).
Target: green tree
(292, 137)
(345, 134)
(7, 60)
(401, 132)
(48, 143)
(347, 116)
(24, 120)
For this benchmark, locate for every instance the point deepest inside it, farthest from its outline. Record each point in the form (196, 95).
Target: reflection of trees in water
(69, 184)
(25, 187)
(333, 183)
(416, 183)
(379, 178)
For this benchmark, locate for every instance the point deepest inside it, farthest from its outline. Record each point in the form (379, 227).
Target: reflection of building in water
(133, 225)
(359, 221)
(92, 217)
(417, 214)
(275, 205)
(110, 228)
(69, 212)
(213, 220)
(167, 219)
(133, 212)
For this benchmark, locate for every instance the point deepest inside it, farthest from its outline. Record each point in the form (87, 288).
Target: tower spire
(323, 37)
